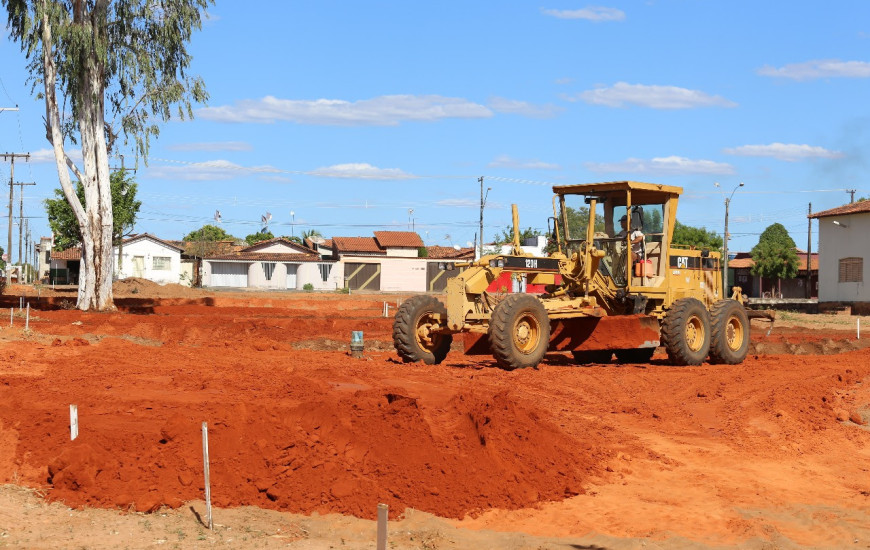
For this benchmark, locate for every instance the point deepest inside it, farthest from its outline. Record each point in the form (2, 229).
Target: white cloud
(505, 161)
(388, 110)
(669, 166)
(590, 13)
(42, 156)
(784, 151)
(564, 80)
(655, 97)
(516, 107)
(819, 68)
(212, 146)
(211, 170)
(361, 171)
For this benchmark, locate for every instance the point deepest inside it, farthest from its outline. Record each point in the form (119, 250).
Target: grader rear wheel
(686, 332)
(519, 332)
(415, 335)
(729, 341)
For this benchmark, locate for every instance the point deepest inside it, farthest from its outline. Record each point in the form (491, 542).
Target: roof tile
(859, 207)
(398, 239)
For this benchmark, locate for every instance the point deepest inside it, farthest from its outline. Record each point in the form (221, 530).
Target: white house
(844, 250)
(148, 257)
(274, 264)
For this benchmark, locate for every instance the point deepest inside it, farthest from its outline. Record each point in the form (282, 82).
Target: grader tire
(729, 337)
(639, 355)
(592, 356)
(412, 335)
(686, 332)
(519, 332)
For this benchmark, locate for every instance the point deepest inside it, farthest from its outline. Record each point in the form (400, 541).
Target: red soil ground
(775, 449)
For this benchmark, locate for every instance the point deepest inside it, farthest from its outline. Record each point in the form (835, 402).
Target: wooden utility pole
(809, 249)
(851, 195)
(11, 157)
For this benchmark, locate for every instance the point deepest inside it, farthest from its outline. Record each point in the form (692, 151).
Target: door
(291, 276)
(363, 276)
(138, 266)
(229, 274)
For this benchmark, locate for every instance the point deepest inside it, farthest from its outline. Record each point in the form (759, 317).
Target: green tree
(775, 256)
(292, 238)
(507, 235)
(698, 237)
(65, 225)
(106, 69)
(254, 238)
(209, 233)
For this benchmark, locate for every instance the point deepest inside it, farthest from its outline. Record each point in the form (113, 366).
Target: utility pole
(851, 195)
(482, 205)
(11, 157)
(809, 248)
(20, 217)
(725, 241)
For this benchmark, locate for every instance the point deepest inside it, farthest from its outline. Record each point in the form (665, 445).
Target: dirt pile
(713, 453)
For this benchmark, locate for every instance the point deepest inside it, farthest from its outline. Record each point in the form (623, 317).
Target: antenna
(266, 219)
(217, 216)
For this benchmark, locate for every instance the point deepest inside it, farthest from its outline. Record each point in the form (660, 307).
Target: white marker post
(859, 328)
(73, 422)
(27, 318)
(207, 476)
(383, 514)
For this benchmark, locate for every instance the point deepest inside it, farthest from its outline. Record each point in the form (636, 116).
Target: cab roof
(641, 193)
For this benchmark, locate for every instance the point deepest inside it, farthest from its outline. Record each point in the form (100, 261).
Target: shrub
(308, 287)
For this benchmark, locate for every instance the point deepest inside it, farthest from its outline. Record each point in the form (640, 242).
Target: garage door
(229, 274)
(291, 276)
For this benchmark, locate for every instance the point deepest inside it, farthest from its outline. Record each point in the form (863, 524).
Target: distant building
(740, 274)
(844, 251)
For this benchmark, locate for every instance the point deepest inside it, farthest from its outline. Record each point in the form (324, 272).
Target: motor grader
(601, 299)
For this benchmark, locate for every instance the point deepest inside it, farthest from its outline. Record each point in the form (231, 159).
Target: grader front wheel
(519, 332)
(415, 331)
(686, 332)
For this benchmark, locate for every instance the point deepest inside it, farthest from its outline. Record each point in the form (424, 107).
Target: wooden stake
(383, 514)
(207, 476)
(73, 422)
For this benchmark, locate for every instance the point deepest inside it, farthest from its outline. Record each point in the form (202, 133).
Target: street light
(725, 255)
(482, 206)
(292, 222)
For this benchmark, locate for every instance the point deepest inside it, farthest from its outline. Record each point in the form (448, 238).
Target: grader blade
(587, 334)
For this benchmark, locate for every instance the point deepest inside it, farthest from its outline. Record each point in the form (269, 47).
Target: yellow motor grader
(614, 285)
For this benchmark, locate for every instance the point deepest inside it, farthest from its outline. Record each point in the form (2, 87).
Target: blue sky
(365, 116)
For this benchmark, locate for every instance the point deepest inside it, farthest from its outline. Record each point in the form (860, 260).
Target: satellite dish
(456, 247)
(317, 239)
(469, 244)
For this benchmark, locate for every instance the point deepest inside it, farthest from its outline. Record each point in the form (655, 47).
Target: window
(851, 270)
(161, 263)
(268, 269)
(324, 271)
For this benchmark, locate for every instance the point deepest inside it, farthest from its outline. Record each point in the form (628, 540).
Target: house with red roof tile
(148, 257)
(754, 286)
(844, 252)
(273, 264)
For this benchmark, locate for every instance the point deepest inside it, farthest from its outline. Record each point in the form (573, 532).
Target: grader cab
(615, 285)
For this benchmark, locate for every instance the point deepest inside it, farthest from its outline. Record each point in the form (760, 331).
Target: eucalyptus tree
(106, 70)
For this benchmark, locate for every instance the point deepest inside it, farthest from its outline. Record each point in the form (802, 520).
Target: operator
(637, 243)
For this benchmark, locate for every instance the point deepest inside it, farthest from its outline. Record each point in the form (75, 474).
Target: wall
(836, 242)
(402, 252)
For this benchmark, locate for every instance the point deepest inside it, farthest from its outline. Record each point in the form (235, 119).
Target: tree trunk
(95, 216)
